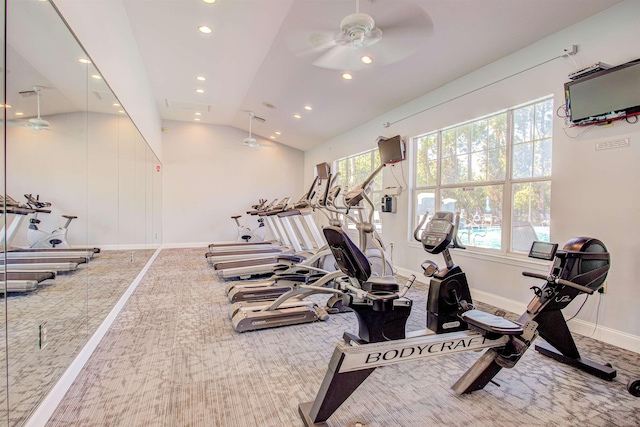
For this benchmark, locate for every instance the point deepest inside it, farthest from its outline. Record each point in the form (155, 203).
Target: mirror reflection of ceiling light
(278, 132)
(366, 59)
(115, 104)
(272, 137)
(347, 76)
(96, 76)
(204, 29)
(84, 61)
(198, 114)
(18, 113)
(121, 111)
(197, 119)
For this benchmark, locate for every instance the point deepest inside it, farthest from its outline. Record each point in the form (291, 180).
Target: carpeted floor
(73, 305)
(172, 359)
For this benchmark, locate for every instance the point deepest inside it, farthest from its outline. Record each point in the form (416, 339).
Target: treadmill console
(438, 233)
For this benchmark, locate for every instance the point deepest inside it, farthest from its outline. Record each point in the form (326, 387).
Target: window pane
(479, 135)
(479, 166)
(463, 137)
(497, 131)
(544, 119)
(523, 124)
(522, 160)
(449, 172)
(497, 164)
(377, 181)
(449, 142)
(531, 214)
(462, 166)
(422, 168)
(542, 158)
(425, 204)
(341, 167)
(480, 214)
(426, 160)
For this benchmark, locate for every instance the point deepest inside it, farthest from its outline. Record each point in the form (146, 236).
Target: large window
(353, 170)
(495, 171)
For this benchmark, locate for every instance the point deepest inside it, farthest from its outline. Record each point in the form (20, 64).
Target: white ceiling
(259, 51)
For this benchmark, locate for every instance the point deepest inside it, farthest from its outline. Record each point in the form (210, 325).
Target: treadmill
(23, 281)
(21, 211)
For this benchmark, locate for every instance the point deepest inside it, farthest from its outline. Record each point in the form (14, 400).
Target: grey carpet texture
(172, 359)
(73, 305)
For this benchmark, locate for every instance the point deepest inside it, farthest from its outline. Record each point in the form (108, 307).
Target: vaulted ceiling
(274, 57)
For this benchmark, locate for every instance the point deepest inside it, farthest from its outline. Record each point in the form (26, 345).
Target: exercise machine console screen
(543, 250)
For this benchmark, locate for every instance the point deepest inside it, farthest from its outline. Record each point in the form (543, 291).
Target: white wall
(105, 33)
(209, 175)
(593, 193)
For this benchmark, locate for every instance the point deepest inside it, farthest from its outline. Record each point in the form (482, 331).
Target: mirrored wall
(70, 145)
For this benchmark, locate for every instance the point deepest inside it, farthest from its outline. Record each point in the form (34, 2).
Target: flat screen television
(323, 170)
(603, 96)
(391, 149)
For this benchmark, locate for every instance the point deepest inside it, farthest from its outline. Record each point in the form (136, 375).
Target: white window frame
(507, 184)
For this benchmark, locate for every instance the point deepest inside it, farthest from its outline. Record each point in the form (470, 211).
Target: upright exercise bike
(40, 239)
(248, 235)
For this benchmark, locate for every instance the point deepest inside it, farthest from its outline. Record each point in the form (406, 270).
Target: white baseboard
(601, 333)
(43, 412)
(185, 245)
(127, 247)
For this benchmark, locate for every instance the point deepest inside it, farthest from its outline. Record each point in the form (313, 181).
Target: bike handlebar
(559, 282)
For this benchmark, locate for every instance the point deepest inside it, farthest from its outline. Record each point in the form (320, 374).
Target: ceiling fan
(36, 123)
(250, 141)
(400, 27)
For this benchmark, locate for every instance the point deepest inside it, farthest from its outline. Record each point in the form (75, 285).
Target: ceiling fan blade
(341, 57)
(305, 44)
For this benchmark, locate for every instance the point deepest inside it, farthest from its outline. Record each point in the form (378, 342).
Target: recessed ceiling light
(278, 132)
(366, 59)
(308, 107)
(19, 113)
(272, 137)
(198, 114)
(201, 78)
(197, 119)
(347, 76)
(200, 90)
(84, 61)
(297, 116)
(115, 104)
(5, 106)
(204, 29)
(209, 1)
(121, 111)
(96, 76)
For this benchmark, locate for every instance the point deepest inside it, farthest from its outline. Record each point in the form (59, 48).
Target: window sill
(517, 260)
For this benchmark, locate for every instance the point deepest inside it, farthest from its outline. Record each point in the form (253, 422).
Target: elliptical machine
(41, 239)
